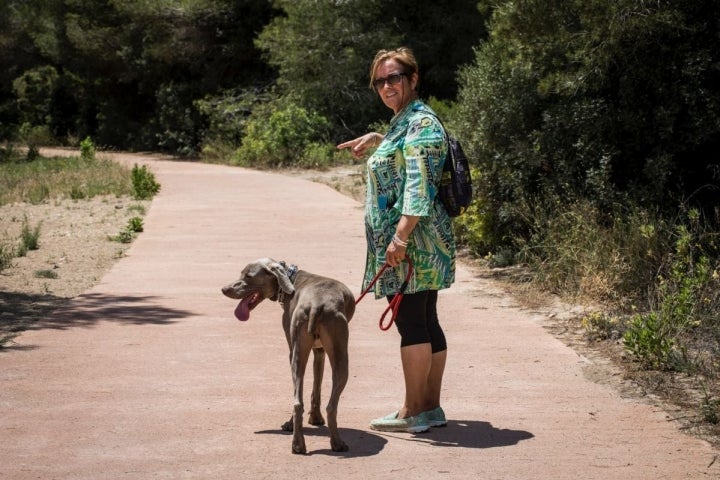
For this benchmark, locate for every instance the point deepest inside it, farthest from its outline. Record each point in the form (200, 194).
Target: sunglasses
(393, 79)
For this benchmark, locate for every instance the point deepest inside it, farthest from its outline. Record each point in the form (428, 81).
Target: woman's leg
(434, 380)
(423, 352)
(439, 354)
(417, 365)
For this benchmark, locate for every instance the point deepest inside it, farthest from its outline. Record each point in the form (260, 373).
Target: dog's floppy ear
(283, 281)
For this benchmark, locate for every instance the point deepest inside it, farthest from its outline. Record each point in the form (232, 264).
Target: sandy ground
(147, 375)
(75, 243)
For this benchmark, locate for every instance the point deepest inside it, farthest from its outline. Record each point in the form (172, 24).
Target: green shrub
(279, 134)
(317, 155)
(29, 238)
(135, 224)
(650, 339)
(87, 149)
(143, 181)
(685, 300)
(226, 115)
(124, 236)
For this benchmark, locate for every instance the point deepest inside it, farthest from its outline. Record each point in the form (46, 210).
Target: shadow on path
(457, 433)
(474, 434)
(20, 312)
(361, 443)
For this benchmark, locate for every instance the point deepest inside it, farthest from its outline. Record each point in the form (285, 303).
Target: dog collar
(291, 273)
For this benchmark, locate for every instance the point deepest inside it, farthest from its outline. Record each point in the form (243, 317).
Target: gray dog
(316, 312)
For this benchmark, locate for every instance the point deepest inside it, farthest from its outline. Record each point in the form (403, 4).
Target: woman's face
(396, 89)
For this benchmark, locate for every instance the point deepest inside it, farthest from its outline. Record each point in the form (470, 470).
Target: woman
(404, 217)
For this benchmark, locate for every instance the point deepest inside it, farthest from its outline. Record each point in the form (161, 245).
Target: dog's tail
(312, 320)
(321, 312)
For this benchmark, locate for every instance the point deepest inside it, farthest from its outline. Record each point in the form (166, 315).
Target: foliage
(126, 73)
(128, 234)
(144, 185)
(226, 115)
(155, 75)
(608, 102)
(281, 133)
(583, 252)
(322, 51)
(124, 236)
(87, 150)
(135, 224)
(34, 93)
(29, 238)
(686, 301)
(33, 136)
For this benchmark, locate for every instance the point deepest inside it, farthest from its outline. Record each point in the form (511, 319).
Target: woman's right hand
(360, 145)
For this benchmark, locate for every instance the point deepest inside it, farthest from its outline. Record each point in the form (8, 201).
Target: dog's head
(261, 279)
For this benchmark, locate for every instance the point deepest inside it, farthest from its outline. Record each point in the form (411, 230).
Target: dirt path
(148, 374)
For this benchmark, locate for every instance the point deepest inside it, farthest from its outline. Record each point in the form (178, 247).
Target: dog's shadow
(457, 433)
(362, 443)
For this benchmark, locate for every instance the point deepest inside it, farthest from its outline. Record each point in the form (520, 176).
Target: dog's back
(322, 299)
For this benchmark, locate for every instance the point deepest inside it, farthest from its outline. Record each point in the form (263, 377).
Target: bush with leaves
(608, 102)
(87, 150)
(144, 184)
(683, 316)
(280, 133)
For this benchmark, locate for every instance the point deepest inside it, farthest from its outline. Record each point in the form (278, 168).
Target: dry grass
(61, 177)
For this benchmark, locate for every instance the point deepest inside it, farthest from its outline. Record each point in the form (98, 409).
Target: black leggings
(417, 320)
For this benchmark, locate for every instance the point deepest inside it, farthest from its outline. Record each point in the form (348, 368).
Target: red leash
(394, 305)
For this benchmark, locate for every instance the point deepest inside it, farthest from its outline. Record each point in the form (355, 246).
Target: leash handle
(394, 305)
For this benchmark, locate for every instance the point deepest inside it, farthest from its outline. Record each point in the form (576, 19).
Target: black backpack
(455, 188)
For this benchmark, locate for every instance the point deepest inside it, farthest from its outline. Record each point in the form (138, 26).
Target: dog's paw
(339, 446)
(316, 418)
(298, 447)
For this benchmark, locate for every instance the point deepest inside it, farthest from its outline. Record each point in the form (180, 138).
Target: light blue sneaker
(391, 423)
(436, 417)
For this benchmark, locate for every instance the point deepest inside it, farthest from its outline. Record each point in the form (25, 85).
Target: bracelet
(399, 242)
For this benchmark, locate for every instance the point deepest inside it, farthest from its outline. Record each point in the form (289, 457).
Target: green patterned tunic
(402, 176)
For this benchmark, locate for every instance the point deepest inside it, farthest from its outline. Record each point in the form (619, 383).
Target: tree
(129, 73)
(322, 52)
(611, 102)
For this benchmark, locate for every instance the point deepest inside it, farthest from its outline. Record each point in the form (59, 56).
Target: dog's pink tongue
(242, 311)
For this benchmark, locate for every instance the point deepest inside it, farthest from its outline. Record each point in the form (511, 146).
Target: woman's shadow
(474, 434)
(457, 433)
